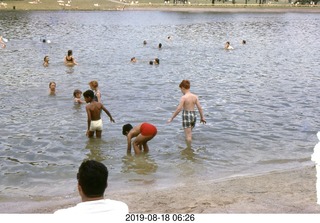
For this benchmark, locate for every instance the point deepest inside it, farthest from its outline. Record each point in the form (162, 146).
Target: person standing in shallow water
(94, 86)
(69, 59)
(94, 115)
(187, 104)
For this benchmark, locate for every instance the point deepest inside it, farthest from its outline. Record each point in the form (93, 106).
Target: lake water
(260, 100)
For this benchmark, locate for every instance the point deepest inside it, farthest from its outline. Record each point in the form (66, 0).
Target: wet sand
(289, 192)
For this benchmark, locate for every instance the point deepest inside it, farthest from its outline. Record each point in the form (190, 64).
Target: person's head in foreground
(92, 180)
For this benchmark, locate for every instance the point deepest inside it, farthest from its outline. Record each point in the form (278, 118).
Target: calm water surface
(260, 100)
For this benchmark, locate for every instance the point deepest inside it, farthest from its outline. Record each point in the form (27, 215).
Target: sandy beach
(292, 191)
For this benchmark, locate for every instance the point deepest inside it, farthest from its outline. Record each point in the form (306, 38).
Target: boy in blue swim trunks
(94, 114)
(187, 104)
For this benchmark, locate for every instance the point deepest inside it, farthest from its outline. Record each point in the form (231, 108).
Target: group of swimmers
(227, 45)
(145, 131)
(142, 132)
(68, 60)
(155, 61)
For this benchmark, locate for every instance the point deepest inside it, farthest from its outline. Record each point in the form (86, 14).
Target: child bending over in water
(143, 132)
(93, 112)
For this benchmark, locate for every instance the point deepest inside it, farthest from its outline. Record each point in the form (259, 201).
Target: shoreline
(115, 5)
(289, 191)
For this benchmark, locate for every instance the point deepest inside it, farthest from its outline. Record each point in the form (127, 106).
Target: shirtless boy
(93, 112)
(187, 103)
(143, 132)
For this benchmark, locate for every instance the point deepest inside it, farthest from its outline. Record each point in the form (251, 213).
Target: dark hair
(151, 62)
(157, 60)
(88, 94)
(69, 52)
(77, 91)
(93, 178)
(160, 45)
(126, 128)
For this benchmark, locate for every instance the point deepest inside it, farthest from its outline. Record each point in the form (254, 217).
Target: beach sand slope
(291, 191)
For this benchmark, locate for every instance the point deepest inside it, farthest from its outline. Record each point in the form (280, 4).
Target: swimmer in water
(69, 59)
(46, 61)
(95, 88)
(3, 45)
(52, 88)
(133, 60)
(227, 46)
(77, 97)
(156, 61)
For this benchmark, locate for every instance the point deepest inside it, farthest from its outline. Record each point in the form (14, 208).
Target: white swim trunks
(96, 125)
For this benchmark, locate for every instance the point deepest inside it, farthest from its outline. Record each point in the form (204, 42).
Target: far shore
(116, 5)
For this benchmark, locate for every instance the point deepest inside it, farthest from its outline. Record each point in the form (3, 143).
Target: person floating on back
(94, 115)
(187, 104)
(143, 132)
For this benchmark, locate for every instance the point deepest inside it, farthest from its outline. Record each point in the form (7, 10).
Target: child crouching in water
(143, 132)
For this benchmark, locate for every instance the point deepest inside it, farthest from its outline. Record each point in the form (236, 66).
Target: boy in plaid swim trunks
(187, 103)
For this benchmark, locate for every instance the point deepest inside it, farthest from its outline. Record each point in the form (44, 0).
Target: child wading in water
(187, 103)
(77, 97)
(93, 112)
(95, 88)
(143, 132)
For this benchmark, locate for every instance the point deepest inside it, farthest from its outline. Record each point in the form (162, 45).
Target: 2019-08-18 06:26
(160, 217)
